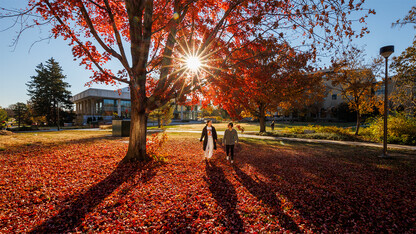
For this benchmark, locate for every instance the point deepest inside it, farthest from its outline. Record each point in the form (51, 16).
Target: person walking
(230, 139)
(209, 135)
(272, 125)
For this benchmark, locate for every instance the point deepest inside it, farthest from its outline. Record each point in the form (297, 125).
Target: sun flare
(193, 63)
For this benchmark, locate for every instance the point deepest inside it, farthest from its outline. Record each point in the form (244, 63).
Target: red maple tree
(151, 37)
(263, 76)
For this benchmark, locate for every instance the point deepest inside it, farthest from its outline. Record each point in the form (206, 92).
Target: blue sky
(18, 65)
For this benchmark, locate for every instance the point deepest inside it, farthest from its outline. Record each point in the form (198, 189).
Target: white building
(104, 105)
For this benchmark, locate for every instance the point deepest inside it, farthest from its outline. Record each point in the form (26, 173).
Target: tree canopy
(404, 94)
(20, 113)
(356, 82)
(264, 76)
(152, 40)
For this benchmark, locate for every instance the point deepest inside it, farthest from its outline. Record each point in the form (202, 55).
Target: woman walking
(230, 139)
(209, 134)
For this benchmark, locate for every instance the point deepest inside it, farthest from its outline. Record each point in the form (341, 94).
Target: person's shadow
(225, 195)
(71, 217)
(266, 194)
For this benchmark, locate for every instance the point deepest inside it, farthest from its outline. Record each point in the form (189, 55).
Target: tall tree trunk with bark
(357, 127)
(140, 35)
(138, 128)
(262, 118)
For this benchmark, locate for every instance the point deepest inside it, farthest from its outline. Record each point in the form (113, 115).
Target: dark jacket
(230, 137)
(205, 137)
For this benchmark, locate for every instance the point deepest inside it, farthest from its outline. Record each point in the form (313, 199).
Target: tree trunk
(262, 119)
(137, 141)
(158, 122)
(138, 127)
(19, 117)
(357, 127)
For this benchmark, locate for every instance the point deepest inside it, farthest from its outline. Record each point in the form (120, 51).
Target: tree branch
(98, 38)
(118, 37)
(82, 45)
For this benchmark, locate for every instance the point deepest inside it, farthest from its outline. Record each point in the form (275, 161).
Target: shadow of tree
(267, 195)
(72, 216)
(225, 195)
(336, 188)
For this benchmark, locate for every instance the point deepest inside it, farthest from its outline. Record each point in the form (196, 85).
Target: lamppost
(386, 51)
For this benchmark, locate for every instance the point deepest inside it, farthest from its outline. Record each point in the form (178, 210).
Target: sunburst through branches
(193, 63)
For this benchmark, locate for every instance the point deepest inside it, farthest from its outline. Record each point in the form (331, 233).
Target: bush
(154, 145)
(401, 129)
(5, 132)
(216, 119)
(315, 132)
(109, 126)
(241, 128)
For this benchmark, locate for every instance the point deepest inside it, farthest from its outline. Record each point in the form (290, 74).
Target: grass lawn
(255, 126)
(75, 184)
(46, 138)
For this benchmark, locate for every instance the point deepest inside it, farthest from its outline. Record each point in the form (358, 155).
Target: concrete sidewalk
(318, 141)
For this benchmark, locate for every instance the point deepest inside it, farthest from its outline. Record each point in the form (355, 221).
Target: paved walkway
(320, 141)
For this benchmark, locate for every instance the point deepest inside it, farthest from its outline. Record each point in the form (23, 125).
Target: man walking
(230, 139)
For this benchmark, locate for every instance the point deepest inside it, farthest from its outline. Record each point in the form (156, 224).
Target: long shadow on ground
(267, 194)
(224, 193)
(337, 189)
(70, 218)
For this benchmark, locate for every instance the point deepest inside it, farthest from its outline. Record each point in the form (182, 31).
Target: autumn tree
(163, 114)
(405, 67)
(154, 39)
(356, 83)
(206, 111)
(34, 117)
(3, 117)
(48, 91)
(269, 76)
(404, 93)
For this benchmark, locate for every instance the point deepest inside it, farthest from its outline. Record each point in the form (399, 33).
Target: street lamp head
(386, 51)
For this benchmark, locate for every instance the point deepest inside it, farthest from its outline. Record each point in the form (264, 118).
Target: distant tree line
(49, 102)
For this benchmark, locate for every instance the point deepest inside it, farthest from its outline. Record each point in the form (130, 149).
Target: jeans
(228, 148)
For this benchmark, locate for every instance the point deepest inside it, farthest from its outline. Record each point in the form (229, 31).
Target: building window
(99, 107)
(334, 97)
(125, 108)
(110, 106)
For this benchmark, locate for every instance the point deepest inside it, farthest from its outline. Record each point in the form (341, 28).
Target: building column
(85, 107)
(92, 106)
(119, 107)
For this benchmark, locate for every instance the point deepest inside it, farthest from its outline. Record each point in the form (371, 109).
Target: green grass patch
(315, 132)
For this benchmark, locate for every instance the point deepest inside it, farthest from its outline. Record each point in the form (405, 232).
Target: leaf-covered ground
(78, 186)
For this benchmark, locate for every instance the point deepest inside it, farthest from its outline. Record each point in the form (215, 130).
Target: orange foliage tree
(356, 83)
(263, 76)
(150, 39)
